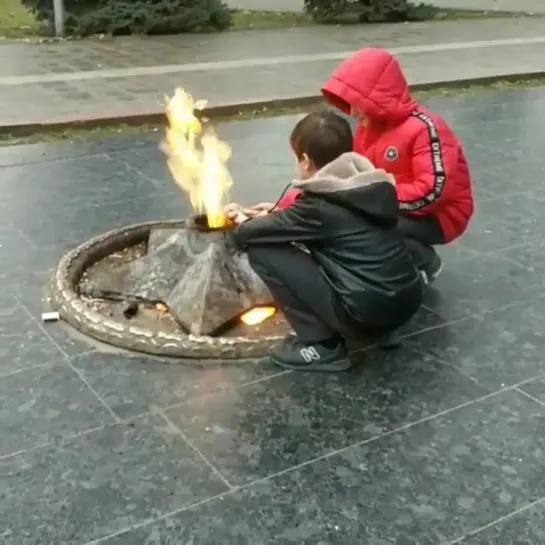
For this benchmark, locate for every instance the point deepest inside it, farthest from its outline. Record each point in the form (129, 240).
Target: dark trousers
(302, 292)
(421, 235)
(312, 307)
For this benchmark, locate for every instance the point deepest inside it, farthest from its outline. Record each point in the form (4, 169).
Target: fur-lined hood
(353, 182)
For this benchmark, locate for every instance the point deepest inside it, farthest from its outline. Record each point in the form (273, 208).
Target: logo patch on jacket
(392, 154)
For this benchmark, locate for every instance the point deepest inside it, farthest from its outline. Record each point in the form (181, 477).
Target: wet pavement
(439, 442)
(527, 6)
(267, 5)
(76, 80)
(530, 6)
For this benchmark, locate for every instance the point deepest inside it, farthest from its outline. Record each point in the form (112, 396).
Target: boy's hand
(232, 210)
(240, 218)
(262, 208)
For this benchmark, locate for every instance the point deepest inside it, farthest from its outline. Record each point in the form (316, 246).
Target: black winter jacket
(347, 217)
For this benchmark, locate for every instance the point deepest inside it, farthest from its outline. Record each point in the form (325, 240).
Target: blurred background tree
(122, 17)
(369, 11)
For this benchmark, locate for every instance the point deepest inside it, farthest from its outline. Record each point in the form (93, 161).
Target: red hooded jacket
(406, 140)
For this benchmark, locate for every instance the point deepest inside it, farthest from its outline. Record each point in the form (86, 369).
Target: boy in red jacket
(400, 136)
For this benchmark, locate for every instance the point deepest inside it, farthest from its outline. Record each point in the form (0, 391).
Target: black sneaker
(431, 270)
(315, 357)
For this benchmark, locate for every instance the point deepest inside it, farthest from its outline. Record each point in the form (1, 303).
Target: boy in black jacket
(356, 277)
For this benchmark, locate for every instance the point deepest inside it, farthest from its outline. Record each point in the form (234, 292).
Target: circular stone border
(66, 301)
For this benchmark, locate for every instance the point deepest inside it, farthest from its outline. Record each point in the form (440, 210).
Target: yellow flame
(257, 315)
(197, 159)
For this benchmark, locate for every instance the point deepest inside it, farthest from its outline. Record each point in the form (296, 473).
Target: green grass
(17, 23)
(81, 134)
(257, 20)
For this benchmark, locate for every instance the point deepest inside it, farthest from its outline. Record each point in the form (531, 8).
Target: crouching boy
(354, 277)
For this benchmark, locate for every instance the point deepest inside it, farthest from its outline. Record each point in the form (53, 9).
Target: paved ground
(527, 6)
(88, 79)
(531, 6)
(428, 445)
(268, 5)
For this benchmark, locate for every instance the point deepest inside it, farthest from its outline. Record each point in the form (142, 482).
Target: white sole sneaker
(434, 276)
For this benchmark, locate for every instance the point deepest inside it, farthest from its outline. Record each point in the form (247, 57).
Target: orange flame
(197, 159)
(257, 315)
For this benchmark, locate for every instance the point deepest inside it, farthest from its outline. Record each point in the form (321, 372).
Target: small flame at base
(257, 315)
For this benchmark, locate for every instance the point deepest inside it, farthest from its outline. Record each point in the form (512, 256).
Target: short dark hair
(322, 136)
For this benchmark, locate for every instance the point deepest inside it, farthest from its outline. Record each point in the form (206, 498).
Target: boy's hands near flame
(236, 213)
(233, 211)
(240, 218)
(262, 208)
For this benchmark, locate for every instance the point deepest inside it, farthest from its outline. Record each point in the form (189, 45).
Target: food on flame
(257, 315)
(197, 159)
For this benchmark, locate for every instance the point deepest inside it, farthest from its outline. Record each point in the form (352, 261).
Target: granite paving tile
(68, 183)
(268, 427)
(473, 286)
(77, 224)
(28, 274)
(44, 403)
(14, 247)
(487, 233)
(70, 342)
(134, 385)
(507, 109)
(524, 528)
(498, 349)
(429, 484)
(530, 255)
(22, 343)
(99, 483)
(497, 179)
(536, 387)
(523, 210)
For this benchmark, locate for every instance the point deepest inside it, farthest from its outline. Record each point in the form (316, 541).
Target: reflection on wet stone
(424, 458)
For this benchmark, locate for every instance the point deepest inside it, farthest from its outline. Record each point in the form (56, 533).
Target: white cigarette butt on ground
(50, 316)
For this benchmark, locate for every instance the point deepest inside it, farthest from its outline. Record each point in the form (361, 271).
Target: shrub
(370, 11)
(325, 10)
(120, 17)
(394, 11)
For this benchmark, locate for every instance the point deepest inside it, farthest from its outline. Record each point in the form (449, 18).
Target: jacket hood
(354, 183)
(372, 81)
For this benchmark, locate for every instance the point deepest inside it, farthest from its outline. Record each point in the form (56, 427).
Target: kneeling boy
(355, 276)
